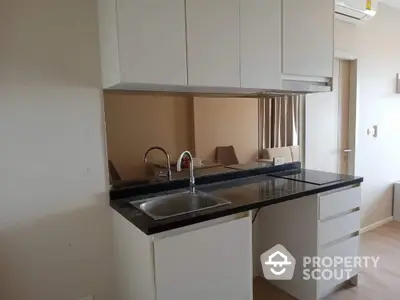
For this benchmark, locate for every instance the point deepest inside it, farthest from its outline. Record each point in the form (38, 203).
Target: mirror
(221, 133)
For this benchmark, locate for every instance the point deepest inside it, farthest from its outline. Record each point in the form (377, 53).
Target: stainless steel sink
(177, 204)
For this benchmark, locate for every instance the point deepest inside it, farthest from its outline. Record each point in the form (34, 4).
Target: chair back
(226, 155)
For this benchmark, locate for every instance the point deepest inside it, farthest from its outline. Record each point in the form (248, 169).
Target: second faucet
(191, 169)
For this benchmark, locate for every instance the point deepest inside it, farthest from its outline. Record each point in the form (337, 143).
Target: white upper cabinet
(308, 37)
(143, 41)
(261, 44)
(213, 43)
(173, 44)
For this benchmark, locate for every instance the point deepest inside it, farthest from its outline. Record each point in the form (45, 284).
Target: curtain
(279, 121)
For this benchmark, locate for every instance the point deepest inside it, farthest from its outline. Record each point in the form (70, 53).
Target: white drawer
(347, 248)
(334, 229)
(339, 202)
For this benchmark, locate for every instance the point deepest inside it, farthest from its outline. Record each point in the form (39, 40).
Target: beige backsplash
(137, 121)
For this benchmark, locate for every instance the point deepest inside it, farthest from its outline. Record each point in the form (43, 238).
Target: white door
(330, 124)
(212, 263)
(213, 43)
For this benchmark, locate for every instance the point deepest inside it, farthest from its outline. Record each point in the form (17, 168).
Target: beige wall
(136, 122)
(376, 45)
(225, 122)
(55, 238)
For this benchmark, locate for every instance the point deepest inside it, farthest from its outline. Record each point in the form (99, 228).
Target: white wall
(321, 140)
(321, 129)
(377, 46)
(55, 240)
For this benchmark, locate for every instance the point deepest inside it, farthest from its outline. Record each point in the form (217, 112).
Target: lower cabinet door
(213, 263)
(332, 230)
(345, 249)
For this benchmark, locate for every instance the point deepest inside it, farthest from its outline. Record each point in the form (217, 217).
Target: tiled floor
(382, 283)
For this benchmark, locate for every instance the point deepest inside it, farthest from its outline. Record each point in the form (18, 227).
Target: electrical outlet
(373, 131)
(375, 127)
(87, 298)
(278, 161)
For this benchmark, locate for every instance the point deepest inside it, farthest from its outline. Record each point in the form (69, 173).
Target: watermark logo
(278, 263)
(335, 267)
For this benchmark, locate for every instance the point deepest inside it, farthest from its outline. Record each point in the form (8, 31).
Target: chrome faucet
(191, 168)
(166, 155)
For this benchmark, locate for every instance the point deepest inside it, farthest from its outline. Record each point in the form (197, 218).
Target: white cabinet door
(337, 202)
(213, 43)
(152, 46)
(261, 44)
(347, 248)
(208, 263)
(335, 229)
(308, 35)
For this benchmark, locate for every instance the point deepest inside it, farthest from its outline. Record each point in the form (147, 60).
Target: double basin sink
(178, 204)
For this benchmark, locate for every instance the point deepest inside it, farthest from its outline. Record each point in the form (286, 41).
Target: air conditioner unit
(355, 11)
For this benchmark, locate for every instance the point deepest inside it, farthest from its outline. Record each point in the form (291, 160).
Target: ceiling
(393, 3)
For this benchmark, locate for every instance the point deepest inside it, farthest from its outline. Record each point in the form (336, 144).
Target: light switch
(277, 161)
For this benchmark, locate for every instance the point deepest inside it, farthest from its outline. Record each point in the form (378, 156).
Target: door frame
(353, 107)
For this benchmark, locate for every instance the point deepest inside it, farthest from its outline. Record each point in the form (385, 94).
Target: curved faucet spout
(166, 155)
(191, 169)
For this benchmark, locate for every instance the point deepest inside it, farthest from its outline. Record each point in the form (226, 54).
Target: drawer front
(331, 230)
(339, 202)
(347, 248)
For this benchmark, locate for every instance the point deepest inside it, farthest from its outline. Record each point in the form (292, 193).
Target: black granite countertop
(313, 176)
(246, 193)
